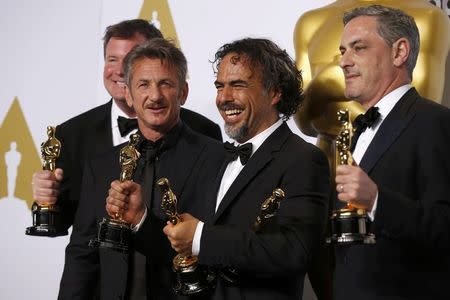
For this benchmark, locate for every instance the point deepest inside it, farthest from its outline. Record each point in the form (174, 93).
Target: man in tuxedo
(256, 83)
(156, 87)
(99, 129)
(402, 165)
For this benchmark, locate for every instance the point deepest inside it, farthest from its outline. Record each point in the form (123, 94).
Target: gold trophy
(114, 233)
(191, 278)
(349, 224)
(46, 217)
(269, 208)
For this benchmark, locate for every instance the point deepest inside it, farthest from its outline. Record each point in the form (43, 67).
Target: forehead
(152, 67)
(116, 43)
(236, 66)
(360, 28)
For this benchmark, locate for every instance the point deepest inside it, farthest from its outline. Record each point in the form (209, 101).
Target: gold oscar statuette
(47, 217)
(114, 233)
(191, 278)
(348, 225)
(269, 208)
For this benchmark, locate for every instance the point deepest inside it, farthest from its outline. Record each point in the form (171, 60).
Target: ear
(128, 96)
(184, 91)
(400, 51)
(276, 97)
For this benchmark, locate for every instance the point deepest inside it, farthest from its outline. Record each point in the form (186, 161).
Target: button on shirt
(231, 172)
(115, 113)
(385, 105)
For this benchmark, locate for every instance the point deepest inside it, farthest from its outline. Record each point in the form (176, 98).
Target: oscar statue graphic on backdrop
(349, 224)
(114, 233)
(191, 278)
(47, 217)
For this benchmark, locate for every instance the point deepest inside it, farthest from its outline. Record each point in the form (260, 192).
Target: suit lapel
(211, 208)
(396, 121)
(185, 154)
(254, 165)
(103, 132)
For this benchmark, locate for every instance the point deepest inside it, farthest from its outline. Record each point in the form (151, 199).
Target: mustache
(154, 104)
(229, 106)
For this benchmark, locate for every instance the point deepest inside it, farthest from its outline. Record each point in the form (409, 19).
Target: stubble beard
(237, 133)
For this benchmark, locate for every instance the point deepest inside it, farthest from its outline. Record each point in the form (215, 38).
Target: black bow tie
(126, 125)
(243, 151)
(362, 122)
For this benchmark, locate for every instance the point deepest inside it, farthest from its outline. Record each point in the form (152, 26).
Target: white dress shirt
(231, 172)
(385, 105)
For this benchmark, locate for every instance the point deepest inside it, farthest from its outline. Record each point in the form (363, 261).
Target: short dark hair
(392, 25)
(278, 70)
(161, 49)
(130, 28)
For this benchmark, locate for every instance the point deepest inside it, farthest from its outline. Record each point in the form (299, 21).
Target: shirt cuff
(371, 213)
(138, 225)
(197, 238)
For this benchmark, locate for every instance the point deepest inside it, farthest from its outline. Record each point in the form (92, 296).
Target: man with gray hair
(156, 87)
(402, 165)
(99, 129)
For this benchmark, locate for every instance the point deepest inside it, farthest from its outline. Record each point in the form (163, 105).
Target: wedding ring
(341, 188)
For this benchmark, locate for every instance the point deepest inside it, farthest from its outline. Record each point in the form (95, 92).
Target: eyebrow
(232, 82)
(352, 44)
(238, 81)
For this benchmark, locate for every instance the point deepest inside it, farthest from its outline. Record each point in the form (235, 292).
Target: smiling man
(156, 87)
(403, 165)
(256, 83)
(99, 129)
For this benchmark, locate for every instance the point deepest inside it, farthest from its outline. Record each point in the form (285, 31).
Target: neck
(154, 133)
(125, 108)
(398, 82)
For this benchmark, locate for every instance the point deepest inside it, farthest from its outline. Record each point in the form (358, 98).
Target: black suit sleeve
(81, 267)
(70, 186)
(286, 244)
(417, 210)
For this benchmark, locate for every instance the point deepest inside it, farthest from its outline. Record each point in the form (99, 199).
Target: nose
(346, 60)
(153, 93)
(119, 68)
(224, 94)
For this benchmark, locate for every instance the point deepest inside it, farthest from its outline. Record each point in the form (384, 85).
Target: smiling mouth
(120, 83)
(233, 112)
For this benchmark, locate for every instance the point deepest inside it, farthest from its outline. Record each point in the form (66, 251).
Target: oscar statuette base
(350, 226)
(191, 278)
(112, 234)
(46, 221)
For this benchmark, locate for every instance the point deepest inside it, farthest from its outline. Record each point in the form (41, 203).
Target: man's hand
(182, 234)
(125, 200)
(355, 187)
(45, 185)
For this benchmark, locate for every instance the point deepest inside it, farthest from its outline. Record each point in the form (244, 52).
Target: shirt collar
(259, 139)
(115, 113)
(387, 103)
(167, 141)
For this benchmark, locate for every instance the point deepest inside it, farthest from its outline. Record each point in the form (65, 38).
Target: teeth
(120, 82)
(232, 112)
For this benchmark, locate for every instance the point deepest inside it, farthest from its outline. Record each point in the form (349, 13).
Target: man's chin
(236, 132)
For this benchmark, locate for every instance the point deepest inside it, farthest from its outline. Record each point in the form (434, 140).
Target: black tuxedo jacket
(409, 161)
(191, 166)
(271, 263)
(88, 135)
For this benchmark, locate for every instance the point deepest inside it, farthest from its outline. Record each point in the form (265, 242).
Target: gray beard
(237, 134)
